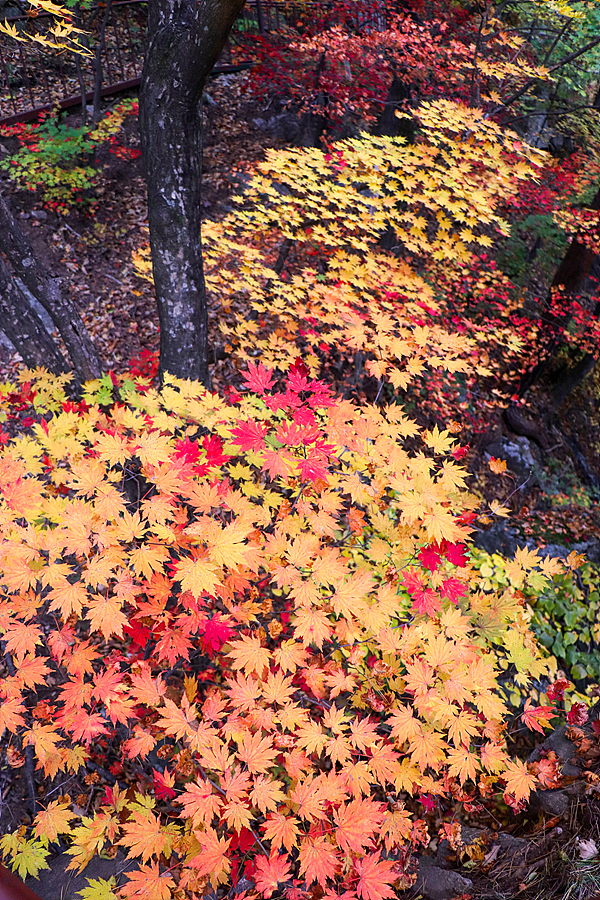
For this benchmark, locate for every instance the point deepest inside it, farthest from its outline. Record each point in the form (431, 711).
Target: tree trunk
(185, 38)
(24, 328)
(19, 252)
(572, 277)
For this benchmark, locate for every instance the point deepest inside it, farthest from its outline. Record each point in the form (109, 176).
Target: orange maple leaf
(200, 803)
(148, 883)
(145, 836)
(248, 654)
(318, 860)
(270, 871)
(356, 823)
(375, 875)
(519, 781)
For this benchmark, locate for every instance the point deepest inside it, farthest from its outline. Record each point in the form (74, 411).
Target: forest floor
(552, 488)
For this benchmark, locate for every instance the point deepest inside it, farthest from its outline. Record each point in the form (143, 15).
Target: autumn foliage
(257, 613)
(267, 603)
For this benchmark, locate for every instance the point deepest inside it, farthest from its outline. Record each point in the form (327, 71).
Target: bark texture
(185, 39)
(24, 328)
(19, 252)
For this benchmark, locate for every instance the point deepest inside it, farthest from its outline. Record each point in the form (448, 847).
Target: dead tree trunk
(185, 39)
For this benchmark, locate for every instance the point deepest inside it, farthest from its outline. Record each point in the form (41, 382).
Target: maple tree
(281, 613)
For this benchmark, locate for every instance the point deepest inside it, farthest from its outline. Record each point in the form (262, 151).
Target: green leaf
(99, 889)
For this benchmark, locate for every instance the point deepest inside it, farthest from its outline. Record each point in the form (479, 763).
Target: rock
(40, 214)
(518, 455)
(467, 836)
(511, 843)
(556, 802)
(590, 549)
(500, 538)
(435, 883)
(565, 749)
(4, 151)
(56, 883)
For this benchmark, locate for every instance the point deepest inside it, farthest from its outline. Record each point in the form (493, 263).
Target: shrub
(52, 155)
(261, 614)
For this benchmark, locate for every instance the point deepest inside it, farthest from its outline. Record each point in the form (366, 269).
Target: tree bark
(24, 328)
(572, 277)
(19, 252)
(185, 38)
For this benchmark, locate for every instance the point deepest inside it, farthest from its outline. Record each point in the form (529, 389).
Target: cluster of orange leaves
(282, 532)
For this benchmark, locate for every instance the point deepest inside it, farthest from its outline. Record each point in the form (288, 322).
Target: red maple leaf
(214, 453)
(536, 717)
(214, 632)
(459, 452)
(163, 786)
(578, 714)
(455, 553)
(453, 589)
(425, 600)
(430, 557)
(312, 468)
(259, 378)
(250, 435)
(187, 451)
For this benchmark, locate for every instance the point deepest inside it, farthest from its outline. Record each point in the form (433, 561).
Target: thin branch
(532, 81)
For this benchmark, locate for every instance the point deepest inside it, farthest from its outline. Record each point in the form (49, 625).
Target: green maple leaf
(99, 889)
(29, 858)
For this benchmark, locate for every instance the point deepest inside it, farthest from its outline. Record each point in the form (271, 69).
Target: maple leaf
(453, 589)
(425, 601)
(213, 860)
(99, 889)
(356, 823)
(318, 860)
(455, 553)
(105, 615)
(145, 689)
(258, 379)
(519, 781)
(163, 785)
(266, 794)
(537, 718)
(147, 883)
(200, 803)
(281, 830)
(498, 466)
(269, 872)
(257, 752)
(53, 820)
(250, 435)
(430, 557)
(198, 576)
(145, 836)
(375, 875)
(180, 722)
(214, 632)
(248, 654)
(11, 714)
